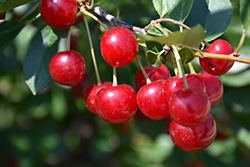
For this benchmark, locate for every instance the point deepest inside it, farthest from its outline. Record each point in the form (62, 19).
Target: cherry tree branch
(104, 14)
(100, 12)
(231, 57)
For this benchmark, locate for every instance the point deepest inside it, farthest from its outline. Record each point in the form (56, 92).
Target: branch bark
(100, 12)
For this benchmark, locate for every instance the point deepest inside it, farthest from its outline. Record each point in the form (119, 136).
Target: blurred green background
(54, 128)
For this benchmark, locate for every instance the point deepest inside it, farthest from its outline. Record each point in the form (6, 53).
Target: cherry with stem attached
(151, 100)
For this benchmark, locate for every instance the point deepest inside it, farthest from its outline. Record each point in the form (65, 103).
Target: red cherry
(151, 100)
(78, 20)
(67, 67)
(217, 66)
(214, 87)
(116, 104)
(73, 42)
(78, 89)
(12, 162)
(154, 73)
(59, 14)
(189, 107)
(90, 95)
(195, 138)
(176, 83)
(2, 15)
(119, 46)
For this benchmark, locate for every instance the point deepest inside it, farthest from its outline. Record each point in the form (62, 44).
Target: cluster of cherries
(192, 127)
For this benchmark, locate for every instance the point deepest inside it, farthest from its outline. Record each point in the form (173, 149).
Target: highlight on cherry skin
(119, 46)
(154, 74)
(176, 83)
(60, 14)
(67, 67)
(116, 104)
(151, 100)
(189, 107)
(217, 66)
(196, 138)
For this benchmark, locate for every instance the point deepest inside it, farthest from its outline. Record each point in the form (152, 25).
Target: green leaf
(186, 55)
(154, 46)
(245, 12)
(157, 62)
(214, 16)
(36, 62)
(10, 4)
(8, 32)
(160, 7)
(236, 80)
(188, 38)
(151, 56)
(154, 31)
(31, 13)
(179, 9)
(238, 104)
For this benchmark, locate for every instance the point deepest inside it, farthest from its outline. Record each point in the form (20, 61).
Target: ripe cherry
(214, 87)
(2, 15)
(90, 95)
(176, 83)
(67, 67)
(154, 73)
(119, 46)
(116, 104)
(191, 139)
(151, 100)
(79, 19)
(217, 66)
(189, 107)
(59, 14)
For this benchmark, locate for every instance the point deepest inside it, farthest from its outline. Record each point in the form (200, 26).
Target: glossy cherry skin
(67, 67)
(79, 19)
(176, 83)
(191, 139)
(214, 87)
(154, 74)
(90, 95)
(116, 104)
(217, 66)
(151, 100)
(119, 46)
(59, 14)
(189, 107)
(2, 15)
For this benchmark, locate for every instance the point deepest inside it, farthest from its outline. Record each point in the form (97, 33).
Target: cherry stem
(35, 18)
(143, 70)
(230, 57)
(114, 77)
(91, 4)
(191, 68)
(102, 13)
(99, 82)
(85, 12)
(242, 39)
(180, 68)
(68, 39)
